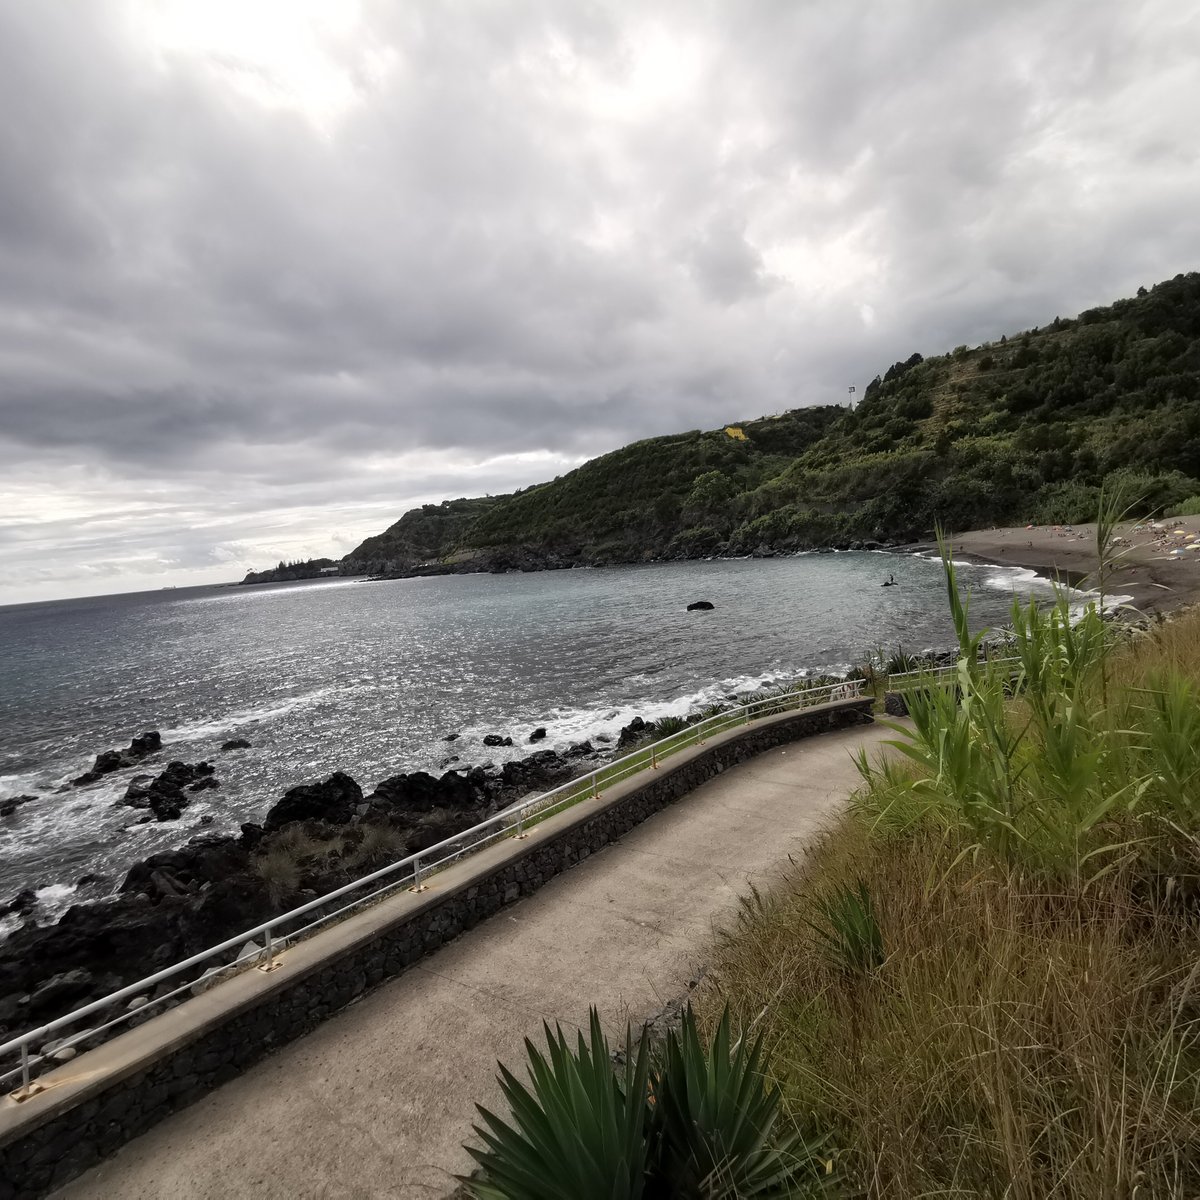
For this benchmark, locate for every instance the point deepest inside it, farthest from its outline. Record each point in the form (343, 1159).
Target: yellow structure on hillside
(735, 432)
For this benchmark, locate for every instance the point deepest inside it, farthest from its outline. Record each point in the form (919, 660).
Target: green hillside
(422, 534)
(1024, 428)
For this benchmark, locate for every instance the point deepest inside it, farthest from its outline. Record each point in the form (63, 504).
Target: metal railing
(411, 872)
(936, 674)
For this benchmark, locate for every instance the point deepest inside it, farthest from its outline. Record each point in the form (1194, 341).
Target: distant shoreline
(1145, 569)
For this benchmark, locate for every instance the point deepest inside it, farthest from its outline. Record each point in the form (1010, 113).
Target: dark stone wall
(37, 1159)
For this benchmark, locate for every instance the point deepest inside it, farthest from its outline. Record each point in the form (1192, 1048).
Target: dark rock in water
(494, 739)
(114, 760)
(88, 880)
(10, 806)
(450, 737)
(538, 734)
(579, 750)
(137, 793)
(334, 801)
(21, 905)
(446, 762)
(700, 606)
(604, 738)
(147, 743)
(236, 744)
(164, 794)
(633, 732)
(106, 762)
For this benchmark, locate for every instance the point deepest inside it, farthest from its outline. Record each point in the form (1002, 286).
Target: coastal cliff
(1028, 427)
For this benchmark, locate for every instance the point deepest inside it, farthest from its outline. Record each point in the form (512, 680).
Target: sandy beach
(1148, 568)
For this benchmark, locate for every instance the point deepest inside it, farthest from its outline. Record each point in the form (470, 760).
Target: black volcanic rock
(334, 801)
(538, 734)
(164, 794)
(125, 933)
(420, 792)
(146, 743)
(632, 733)
(494, 739)
(701, 606)
(60, 991)
(236, 744)
(21, 905)
(113, 760)
(208, 859)
(10, 806)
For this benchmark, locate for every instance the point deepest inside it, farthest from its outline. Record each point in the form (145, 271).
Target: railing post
(416, 884)
(595, 786)
(268, 962)
(24, 1069)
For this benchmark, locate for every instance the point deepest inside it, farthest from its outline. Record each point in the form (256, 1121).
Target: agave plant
(901, 663)
(577, 1132)
(693, 1123)
(713, 1120)
(666, 727)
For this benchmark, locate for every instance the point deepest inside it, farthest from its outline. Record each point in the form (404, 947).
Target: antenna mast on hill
(851, 398)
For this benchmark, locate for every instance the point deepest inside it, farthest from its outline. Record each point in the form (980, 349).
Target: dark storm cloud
(521, 233)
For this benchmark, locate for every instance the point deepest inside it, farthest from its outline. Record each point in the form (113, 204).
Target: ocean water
(369, 678)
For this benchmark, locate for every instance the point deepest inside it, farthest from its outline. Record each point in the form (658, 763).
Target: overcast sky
(272, 271)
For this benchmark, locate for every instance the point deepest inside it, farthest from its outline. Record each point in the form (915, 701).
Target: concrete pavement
(377, 1102)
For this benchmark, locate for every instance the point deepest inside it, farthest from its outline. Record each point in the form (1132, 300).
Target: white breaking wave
(23, 783)
(567, 725)
(205, 727)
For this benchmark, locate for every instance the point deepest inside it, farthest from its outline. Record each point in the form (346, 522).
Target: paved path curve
(377, 1101)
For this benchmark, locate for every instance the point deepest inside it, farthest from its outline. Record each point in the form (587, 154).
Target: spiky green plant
(901, 663)
(687, 1123)
(848, 931)
(712, 1132)
(576, 1132)
(669, 726)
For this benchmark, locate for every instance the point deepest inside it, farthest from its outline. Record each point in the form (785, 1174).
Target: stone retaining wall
(50, 1138)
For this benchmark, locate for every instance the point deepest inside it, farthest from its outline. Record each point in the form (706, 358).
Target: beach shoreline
(1144, 567)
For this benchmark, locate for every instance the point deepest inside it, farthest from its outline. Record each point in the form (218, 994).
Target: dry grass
(1016, 1042)
(289, 855)
(1027, 1035)
(1172, 645)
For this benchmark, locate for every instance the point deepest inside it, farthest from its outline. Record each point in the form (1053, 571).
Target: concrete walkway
(378, 1101)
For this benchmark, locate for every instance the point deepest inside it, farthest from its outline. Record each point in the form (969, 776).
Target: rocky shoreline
(315, 838)
(502, 560)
